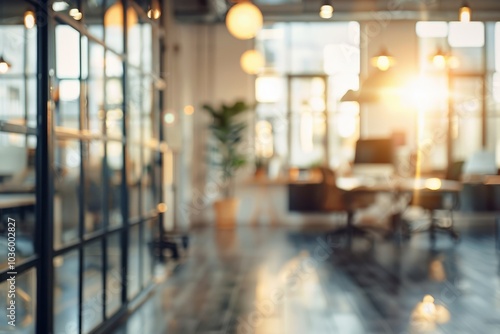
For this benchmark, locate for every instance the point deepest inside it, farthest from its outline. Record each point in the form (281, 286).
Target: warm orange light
(162, 207)
(189, 110)
(29, 19)
(383, 61)
(326, 11)
(154, 11)
(465, 13)
(433, 184)
(252, 62)
(4, 65)
(244, 20)
(114, 16)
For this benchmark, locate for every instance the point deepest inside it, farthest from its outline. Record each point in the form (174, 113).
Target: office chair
(433, 201)
(335, 200)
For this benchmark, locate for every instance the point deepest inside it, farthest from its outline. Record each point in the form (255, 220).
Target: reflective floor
(273, 281)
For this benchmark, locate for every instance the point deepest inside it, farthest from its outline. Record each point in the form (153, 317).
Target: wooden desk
(10, 201)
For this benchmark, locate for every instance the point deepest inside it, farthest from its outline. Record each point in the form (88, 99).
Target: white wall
(203, 68)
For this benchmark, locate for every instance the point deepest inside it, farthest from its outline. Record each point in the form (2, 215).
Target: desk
(8, 201)
(267, 194)
(354, 187)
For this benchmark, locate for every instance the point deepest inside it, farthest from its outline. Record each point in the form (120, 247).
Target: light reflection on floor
(273, 281)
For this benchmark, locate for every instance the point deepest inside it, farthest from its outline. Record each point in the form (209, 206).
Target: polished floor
(282, 280)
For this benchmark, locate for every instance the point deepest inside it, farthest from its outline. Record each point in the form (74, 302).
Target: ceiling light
(244, 20)
(76, 14)
(154, 11)
(383, 61)
(252, 61)
(114, 16)
(59, 6)
(326, 10)
(29, 19)
(465, 13)
(442, 60)
(4, 65)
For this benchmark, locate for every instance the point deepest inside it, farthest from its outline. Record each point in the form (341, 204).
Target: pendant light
(244, 20)
(383, 61)
(465, 13)
(326, 10)
(29, 19)
(4, 65)
(252, 62)
(154, 11)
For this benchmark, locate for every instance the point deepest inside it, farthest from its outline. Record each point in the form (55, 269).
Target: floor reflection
(273, 281)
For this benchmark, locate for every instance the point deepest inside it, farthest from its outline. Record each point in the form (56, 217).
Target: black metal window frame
(47, 135)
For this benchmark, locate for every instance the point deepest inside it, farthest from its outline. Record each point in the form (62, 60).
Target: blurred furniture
(374, 158)
(326, 197)
(433, 201)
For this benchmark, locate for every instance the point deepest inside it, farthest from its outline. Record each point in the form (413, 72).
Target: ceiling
(360, 10)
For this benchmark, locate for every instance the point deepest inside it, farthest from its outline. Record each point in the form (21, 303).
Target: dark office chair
(433, 201)
(336, 200)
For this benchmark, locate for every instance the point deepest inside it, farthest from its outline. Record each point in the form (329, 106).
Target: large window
(101, 147)
(309, 67)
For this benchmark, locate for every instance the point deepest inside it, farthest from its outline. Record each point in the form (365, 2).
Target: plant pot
(226, 211)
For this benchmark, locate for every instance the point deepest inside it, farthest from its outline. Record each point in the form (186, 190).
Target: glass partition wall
(83, 83)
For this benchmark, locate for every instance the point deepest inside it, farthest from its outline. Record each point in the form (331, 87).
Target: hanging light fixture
(244, 20)
(114, 16)
(383, 61)
(465, 13)
(442, 60)
(76, 14)
(4, 65)
(154, 11)
(326, 10)
(252, 61)
(29, 19)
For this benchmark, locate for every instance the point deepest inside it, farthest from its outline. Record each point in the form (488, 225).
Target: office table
(353, 187)
(266, 192)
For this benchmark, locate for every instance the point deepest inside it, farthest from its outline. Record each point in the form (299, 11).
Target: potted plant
(227, 130)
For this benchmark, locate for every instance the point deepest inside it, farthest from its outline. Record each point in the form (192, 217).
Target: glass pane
(135, 48)
(467, 134)
(114, 170)
(113, 24)
(13, 38)
(67, 113)
(147, 255)
(92, 286)
(135, 105)
(113, 275)
(147, 48)
(134, 168)
(25, 304)
(134, 266)
(94, 17)
(308, 125)
(17, 195)
(66, 268)
(67, 161)
(67, 52)
(12, 100)
(94, 156)
(149, 182)
(95, 89)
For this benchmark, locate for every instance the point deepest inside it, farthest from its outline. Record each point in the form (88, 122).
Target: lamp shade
(114, 16)
(244, 20)
(252, 61)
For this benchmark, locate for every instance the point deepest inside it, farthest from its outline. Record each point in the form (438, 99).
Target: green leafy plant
(228, 132)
